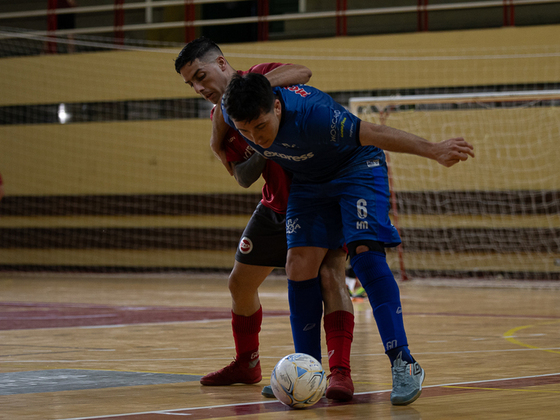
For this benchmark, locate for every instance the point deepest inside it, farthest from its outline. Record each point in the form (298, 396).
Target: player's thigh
(263, 242)
(365, 204)
(304, 262)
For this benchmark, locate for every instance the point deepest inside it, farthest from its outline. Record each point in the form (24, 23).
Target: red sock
(339, 329)
(246, 334)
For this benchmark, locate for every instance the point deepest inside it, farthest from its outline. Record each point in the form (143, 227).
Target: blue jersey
(318, 139)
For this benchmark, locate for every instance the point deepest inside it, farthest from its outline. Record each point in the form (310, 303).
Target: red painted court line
(31, 315)
(361, 398)
(25, 315)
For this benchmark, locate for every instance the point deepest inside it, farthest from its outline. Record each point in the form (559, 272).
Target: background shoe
(340, 387)
(407, 382)
(360, 293)
(235, 373)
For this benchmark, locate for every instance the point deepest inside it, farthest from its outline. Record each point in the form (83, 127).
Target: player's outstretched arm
(219, 131)
(447, 152)
(291, 74)
(247, 172)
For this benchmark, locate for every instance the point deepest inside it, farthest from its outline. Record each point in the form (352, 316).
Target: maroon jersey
(277, 181)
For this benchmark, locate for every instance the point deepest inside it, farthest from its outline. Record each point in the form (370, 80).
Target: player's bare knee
(361, 246)
(295, 266)
(234, 285)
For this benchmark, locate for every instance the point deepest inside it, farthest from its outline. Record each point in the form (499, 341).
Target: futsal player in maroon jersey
(263, 243)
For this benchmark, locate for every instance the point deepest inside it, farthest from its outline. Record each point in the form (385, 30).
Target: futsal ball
(298, 380)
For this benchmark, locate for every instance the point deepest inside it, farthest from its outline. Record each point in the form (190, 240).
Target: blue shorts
(350, 208)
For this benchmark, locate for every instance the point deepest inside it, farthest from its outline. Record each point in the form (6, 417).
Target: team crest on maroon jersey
(245, 245)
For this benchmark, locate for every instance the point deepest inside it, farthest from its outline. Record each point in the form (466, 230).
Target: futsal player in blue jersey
(339, 194)
(263, 246)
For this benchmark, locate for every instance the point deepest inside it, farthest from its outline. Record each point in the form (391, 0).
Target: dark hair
(248, 96)
(195, 49)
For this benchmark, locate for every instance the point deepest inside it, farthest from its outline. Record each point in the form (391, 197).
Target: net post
(189, 19)
(119, 22)
(51, 47)
(383, 115)
(263, 11)
(341, 7)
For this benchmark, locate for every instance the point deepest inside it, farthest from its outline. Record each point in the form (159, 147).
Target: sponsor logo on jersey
(292, 226)
(373, 163)
(298, 90)
(342, 128)
(334, 122)
(269, 154)
(245, 245)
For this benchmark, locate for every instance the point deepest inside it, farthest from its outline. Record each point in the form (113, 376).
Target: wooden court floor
(134, 347)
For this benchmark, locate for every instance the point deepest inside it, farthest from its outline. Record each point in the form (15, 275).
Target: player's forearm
(394, 140)
(247, 172)
(219, 130)
(292, 74)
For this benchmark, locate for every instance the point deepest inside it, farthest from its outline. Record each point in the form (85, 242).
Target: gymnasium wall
(101, 193)
(428, 59)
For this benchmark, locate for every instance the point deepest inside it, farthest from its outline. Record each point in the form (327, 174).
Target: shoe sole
(210, 383)
(409, 401)
(265, 393)
(416, 396)
(339, 394)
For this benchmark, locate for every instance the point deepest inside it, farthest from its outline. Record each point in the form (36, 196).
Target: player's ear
(277, 107)
(222, 62)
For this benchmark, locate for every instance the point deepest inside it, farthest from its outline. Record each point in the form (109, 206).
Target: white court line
(275, 401)
(265, 357)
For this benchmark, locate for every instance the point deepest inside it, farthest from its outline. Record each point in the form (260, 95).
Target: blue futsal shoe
(267, 392)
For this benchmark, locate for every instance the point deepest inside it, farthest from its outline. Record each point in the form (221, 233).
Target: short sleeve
(330, 125)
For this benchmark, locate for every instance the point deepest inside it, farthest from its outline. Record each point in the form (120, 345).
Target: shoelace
(399, 375)
(337, 370)
(231, 366)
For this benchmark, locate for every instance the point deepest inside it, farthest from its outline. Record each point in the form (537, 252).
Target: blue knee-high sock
(376, 277)
(306, 311)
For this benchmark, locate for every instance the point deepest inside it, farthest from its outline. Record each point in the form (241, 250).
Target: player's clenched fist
(451, 151)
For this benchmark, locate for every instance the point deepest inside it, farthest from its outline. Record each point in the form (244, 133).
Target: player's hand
(219, 151)
(451, 151)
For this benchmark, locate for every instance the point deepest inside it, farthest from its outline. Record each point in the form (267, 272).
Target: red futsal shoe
(236, 372)
(340, 385)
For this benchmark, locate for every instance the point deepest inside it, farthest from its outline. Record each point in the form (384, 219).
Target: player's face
(208, 77)
(262, 131)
